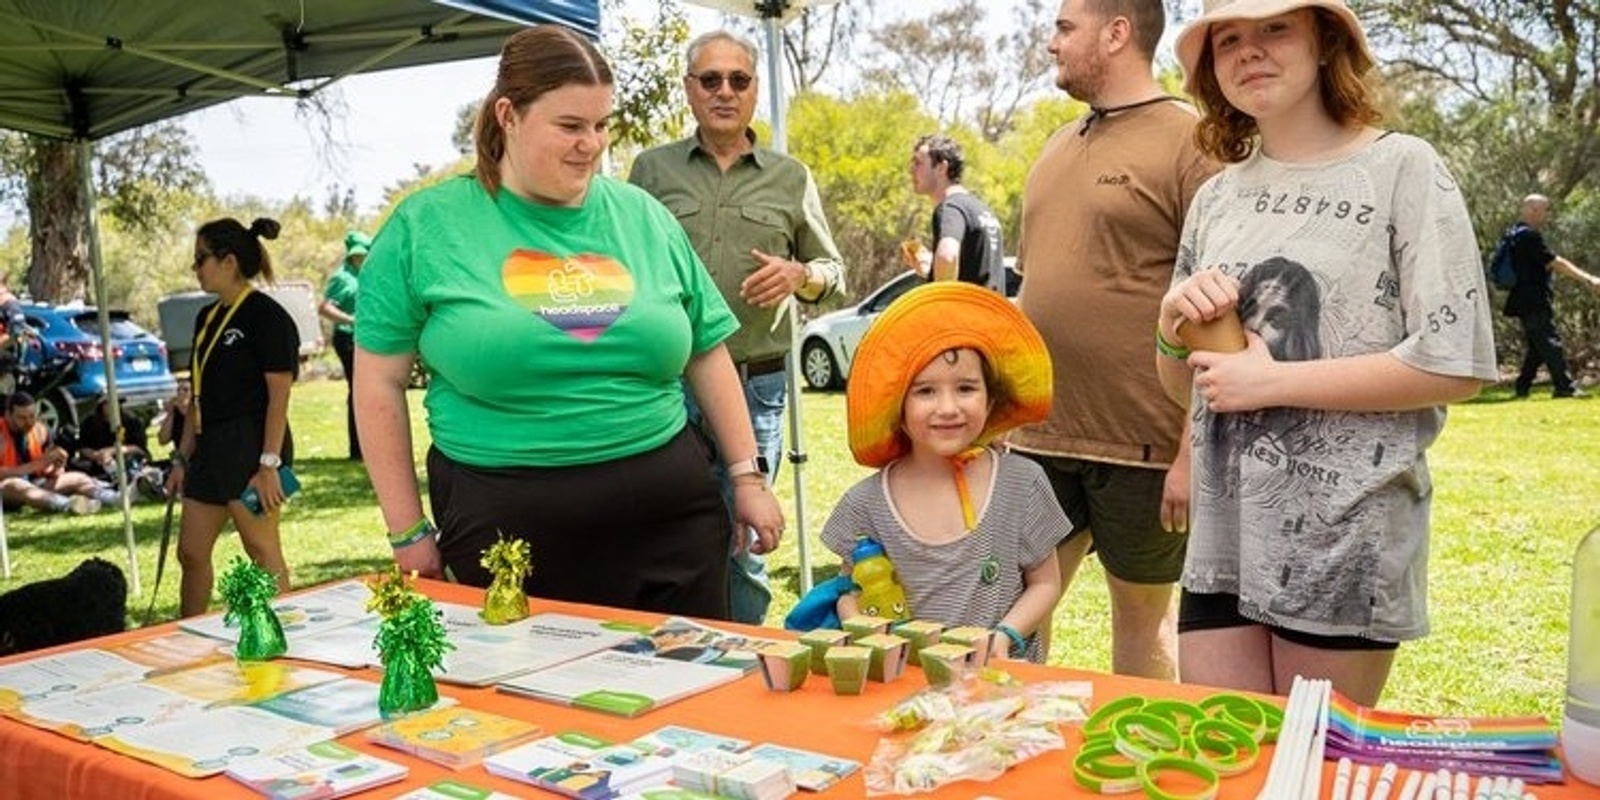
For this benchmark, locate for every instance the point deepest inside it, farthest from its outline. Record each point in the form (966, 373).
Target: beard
(1083, 79)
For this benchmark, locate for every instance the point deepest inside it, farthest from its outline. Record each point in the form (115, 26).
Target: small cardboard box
(888, 656)
(865, 625)
(819, 641)
(919, 633)
(979, 639)
(942, 663)
(785, 665)
(847, 668)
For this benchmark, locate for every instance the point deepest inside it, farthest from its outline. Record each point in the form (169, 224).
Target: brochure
(680, 639)
(676, 738)
(207, 742)
(579, 765)
(812, 771)
(109, 709)
(485, 654)
(233, 682)
(303, 614)
(454, 737)
(61, 675)
(172, 652)
(453, 790)
(345, 705)
(320, 771)
(627, 684)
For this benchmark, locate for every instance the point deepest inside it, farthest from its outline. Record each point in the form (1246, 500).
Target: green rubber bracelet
(1142, 736)
(1238, 709)
(1169, 349)
(1273, 715)
(1098, 725)
(1178, 712)
(1149, 772)
(1223, 746)
(410, 536)
(1101, 769)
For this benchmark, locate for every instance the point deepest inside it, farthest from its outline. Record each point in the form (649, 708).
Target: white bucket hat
(1192, 40)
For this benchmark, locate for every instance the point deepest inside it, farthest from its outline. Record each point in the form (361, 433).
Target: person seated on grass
(94, 451)
(33, 468)
(971, 529)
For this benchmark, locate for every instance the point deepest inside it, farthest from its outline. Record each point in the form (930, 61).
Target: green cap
(356, 243)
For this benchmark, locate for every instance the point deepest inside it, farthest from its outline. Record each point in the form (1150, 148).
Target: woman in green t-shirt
(562, 314)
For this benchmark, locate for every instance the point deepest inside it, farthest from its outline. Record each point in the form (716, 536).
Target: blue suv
(140, 359)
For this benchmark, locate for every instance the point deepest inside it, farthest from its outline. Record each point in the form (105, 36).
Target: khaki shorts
(1121, 507)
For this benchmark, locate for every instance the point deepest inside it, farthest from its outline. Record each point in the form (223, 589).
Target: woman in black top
(246, 355)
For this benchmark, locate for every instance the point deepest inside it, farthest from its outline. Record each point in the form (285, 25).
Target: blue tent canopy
(86, 69)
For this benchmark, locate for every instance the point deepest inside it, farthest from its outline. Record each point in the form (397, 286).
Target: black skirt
(226, 455)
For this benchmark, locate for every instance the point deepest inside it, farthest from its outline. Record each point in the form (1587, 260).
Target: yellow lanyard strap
(203, 348)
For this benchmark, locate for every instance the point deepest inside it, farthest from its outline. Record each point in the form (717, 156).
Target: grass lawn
(1515, 483)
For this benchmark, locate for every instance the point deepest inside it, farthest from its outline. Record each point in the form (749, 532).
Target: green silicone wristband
(1178, 712)
(1169, 349)
(1101, 769)
(1273, 715)
(1098, 725)
(1239, 710)
(1149, 772)
(1223, 746)
(1142, 736)
(410, 536)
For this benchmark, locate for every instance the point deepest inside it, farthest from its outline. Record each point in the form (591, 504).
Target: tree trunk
(58, 215)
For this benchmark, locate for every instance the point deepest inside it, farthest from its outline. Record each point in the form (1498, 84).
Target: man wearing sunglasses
(755, 218)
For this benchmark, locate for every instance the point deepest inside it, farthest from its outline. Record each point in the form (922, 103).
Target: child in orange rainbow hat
(970, 528)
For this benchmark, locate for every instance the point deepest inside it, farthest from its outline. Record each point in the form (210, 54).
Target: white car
(828, 343)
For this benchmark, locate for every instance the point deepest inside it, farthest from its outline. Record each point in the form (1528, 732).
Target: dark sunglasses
(200, 259)
(712, 81)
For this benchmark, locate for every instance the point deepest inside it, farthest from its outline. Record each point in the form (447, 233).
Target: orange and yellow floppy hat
(923, 323)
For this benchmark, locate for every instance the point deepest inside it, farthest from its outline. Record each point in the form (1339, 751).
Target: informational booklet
(109, 709)
(173, 651)
(345, 705)
(319, 771)
(63, 674)
(325, 608)
(678, 739)
(485, 654)
(614, 682)
(812, 771)
(680, 639)
(580, 765)
(238, 682)
(205, 743)
(450, 789)
(454, 737)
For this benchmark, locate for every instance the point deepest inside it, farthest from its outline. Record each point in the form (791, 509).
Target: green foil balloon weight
(411, 643)
(509, 561)
(248, 590)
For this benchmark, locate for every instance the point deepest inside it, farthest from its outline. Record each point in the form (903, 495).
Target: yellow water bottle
(881, 593)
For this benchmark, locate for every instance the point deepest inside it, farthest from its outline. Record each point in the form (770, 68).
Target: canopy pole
(103, 313)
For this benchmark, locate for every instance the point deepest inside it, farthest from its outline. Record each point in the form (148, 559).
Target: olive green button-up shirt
(766, 201)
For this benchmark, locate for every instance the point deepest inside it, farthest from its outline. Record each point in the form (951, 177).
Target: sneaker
(1575, 393)
(82, 505)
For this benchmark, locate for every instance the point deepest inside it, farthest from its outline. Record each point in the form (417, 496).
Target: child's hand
(1202, 297)
(999, 647)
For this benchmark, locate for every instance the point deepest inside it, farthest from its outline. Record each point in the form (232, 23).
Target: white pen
(1463, 788)
(1441, 790)
(1430, 782)
(1341, 780)
(1380, 790)
(1485, 788)
(1514, 789)
(1408, 790)
(1358, 787)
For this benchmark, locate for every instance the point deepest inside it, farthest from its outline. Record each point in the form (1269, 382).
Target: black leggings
(648, 531)
(1205, 612)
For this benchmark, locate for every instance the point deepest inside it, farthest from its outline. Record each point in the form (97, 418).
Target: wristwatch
(271, 460)
(754, 465)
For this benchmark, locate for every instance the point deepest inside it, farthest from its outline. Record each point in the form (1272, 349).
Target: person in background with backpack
(1530, 299)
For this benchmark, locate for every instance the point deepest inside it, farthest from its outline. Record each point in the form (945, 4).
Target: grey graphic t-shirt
(1318, 520)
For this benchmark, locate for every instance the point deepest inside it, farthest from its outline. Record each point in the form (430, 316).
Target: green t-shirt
(341, 290)
(554, 336)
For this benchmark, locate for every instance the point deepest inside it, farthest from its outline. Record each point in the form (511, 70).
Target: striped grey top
(973, 580)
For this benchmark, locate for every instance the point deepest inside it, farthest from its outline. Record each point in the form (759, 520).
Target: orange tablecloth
(36, 763)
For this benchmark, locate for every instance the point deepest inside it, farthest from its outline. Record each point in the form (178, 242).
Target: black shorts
(1120, 506)
(648, 531)
(226, 455)
(1206, 612)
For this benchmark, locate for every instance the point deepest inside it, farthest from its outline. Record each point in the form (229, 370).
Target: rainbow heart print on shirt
(581, 295)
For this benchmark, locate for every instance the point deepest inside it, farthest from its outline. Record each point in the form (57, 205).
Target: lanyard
(203, 349)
